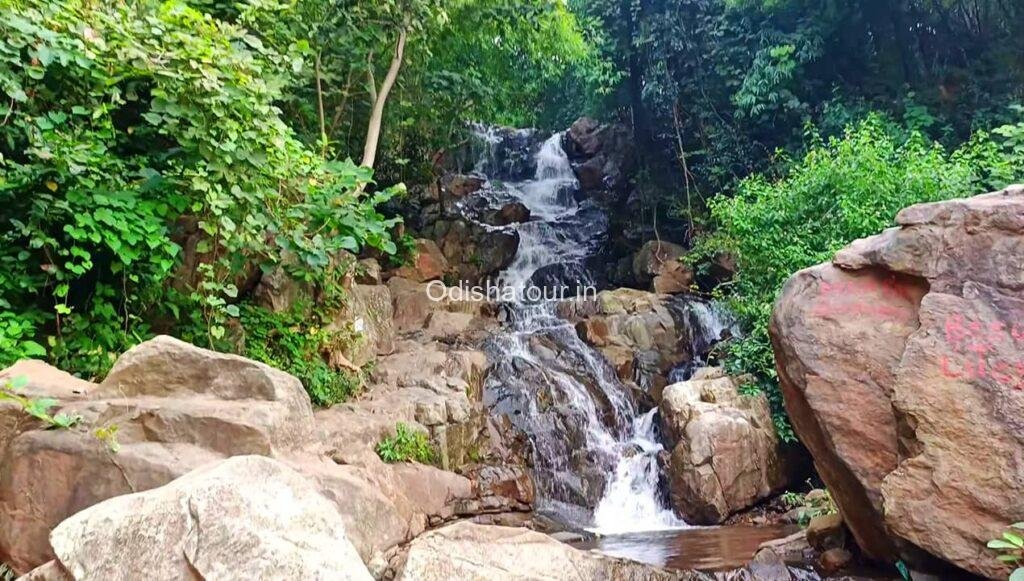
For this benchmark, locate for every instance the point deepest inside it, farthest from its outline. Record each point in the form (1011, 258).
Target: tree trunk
(377, 114)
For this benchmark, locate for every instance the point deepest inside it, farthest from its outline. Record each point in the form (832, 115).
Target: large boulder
(642, 334)
(474, 251)
(604, 156)
(429, 263)
(657, 266)
(248, 517)
(726, 455)
(369, 316)
(471, 551)
(900, 365)
(40, 381)
(175, 407)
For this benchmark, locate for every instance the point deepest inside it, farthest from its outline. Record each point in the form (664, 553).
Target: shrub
(813, 504)
(296, 341)
(119, 119)
(845, 188)
(406, 446)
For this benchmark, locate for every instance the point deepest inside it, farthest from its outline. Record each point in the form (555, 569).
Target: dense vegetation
(155, 155)
(843, 188)
(781, 130)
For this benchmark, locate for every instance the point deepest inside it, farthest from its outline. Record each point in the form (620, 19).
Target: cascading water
(595, 453)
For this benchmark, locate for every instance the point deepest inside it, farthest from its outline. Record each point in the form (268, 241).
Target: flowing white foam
(632, 499)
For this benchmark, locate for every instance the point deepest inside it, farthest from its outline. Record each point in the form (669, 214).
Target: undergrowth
(406, 445)
(299, 342)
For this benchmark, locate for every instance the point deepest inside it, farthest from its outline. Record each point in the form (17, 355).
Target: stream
(595, 449)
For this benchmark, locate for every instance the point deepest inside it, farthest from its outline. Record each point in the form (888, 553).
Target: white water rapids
(583, 424)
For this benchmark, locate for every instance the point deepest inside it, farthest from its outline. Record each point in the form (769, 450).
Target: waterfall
(595, 454)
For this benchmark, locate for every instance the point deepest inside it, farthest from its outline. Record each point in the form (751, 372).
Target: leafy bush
(817, 502)
(406, 446)
(120, 122)
(296, 342)
(1011, 550)
(842, 189)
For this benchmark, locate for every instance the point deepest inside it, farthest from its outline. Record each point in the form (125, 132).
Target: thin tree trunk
(377, 114)
(320, 108)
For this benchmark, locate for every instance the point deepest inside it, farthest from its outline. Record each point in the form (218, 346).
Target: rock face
(901, 367)
(657, 267)
(726, 455)
(428, 264)
(604, 158)
(480, 552)
(643, 335)
(247, 517)
(178, 407)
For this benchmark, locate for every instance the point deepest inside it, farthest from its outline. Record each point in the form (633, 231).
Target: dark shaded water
(705, 548)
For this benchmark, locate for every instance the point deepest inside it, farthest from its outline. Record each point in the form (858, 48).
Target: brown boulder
(901, 369)
(176, 407)
(826, 532)
(657, 266)
(642, 334)
(726, 454)
(428, 264)
(511, 213)
(461, 185)
(247, 517)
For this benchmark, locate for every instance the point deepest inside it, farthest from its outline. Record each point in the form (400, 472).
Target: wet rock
(461, 185)
(834, 560)
(898, 363)
(563, 280)
(726, 454)
(473, 251)
(792, 551)
(247, 517)
(604, 155)
(510, 213)
(657, 266)
(472, 551)
(826, 532)
(643, 335)
(428, 264)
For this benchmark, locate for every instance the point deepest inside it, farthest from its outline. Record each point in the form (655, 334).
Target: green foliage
(121, 123)
(297, 342)
(1010, 547)
(842, 189)
(739, 79)
(406, 446)
(37, 408)
(813, 504)
(481, 60)
(7, 573)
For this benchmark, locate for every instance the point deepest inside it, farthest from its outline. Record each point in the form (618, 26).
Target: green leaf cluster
(406, 445)
(138, 136)
(1010, 547)
(297, 342)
